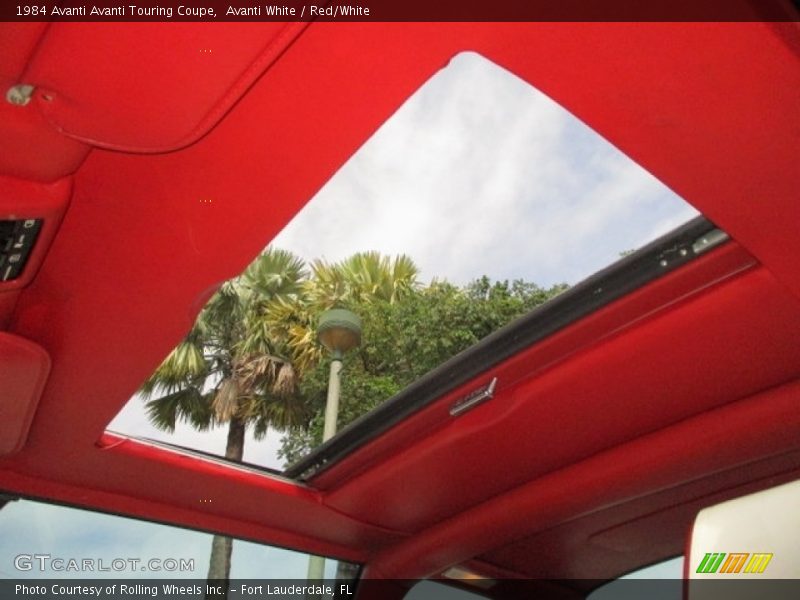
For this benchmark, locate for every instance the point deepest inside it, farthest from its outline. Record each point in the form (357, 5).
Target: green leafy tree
(233, 369)
(404, 339)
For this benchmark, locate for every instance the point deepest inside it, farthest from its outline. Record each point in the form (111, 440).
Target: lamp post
(339, 330)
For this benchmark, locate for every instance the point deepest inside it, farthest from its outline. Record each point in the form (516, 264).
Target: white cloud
(479, 173)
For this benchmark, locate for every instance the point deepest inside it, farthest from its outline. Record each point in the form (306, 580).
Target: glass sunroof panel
(494, 196)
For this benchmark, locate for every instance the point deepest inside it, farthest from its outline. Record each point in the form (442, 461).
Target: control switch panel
(16, 242)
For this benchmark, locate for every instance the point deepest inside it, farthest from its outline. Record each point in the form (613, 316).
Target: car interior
(138, 172)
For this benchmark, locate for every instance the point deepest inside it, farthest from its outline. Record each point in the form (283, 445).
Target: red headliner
(710, 109)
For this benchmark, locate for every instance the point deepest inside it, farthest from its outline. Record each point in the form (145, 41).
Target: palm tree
(233, 369)
(362, 278)
(239, 365)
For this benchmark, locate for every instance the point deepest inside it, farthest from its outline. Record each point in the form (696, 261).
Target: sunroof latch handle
(472, 400)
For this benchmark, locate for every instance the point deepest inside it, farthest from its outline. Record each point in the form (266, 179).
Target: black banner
(275, 589)
(401, 10)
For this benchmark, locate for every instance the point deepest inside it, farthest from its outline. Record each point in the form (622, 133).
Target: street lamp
(339, 330)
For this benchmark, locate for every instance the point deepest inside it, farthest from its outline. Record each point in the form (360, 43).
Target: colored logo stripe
(734, 562)
(758, 562)
(711, 562)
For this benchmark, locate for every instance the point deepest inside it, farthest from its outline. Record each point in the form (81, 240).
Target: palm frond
(222, 311)
(265, 373)
(225, 402)
(285, 381)
(327, 288)
(275, 273)
(184, 366)
(280, 414)
(164, 412)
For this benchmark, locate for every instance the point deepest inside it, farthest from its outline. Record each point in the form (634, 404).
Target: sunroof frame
(659, 257)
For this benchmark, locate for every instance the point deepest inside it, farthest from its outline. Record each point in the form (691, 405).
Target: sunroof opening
(479, 200)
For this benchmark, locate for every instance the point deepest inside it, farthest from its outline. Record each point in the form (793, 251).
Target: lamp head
(339, 330)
